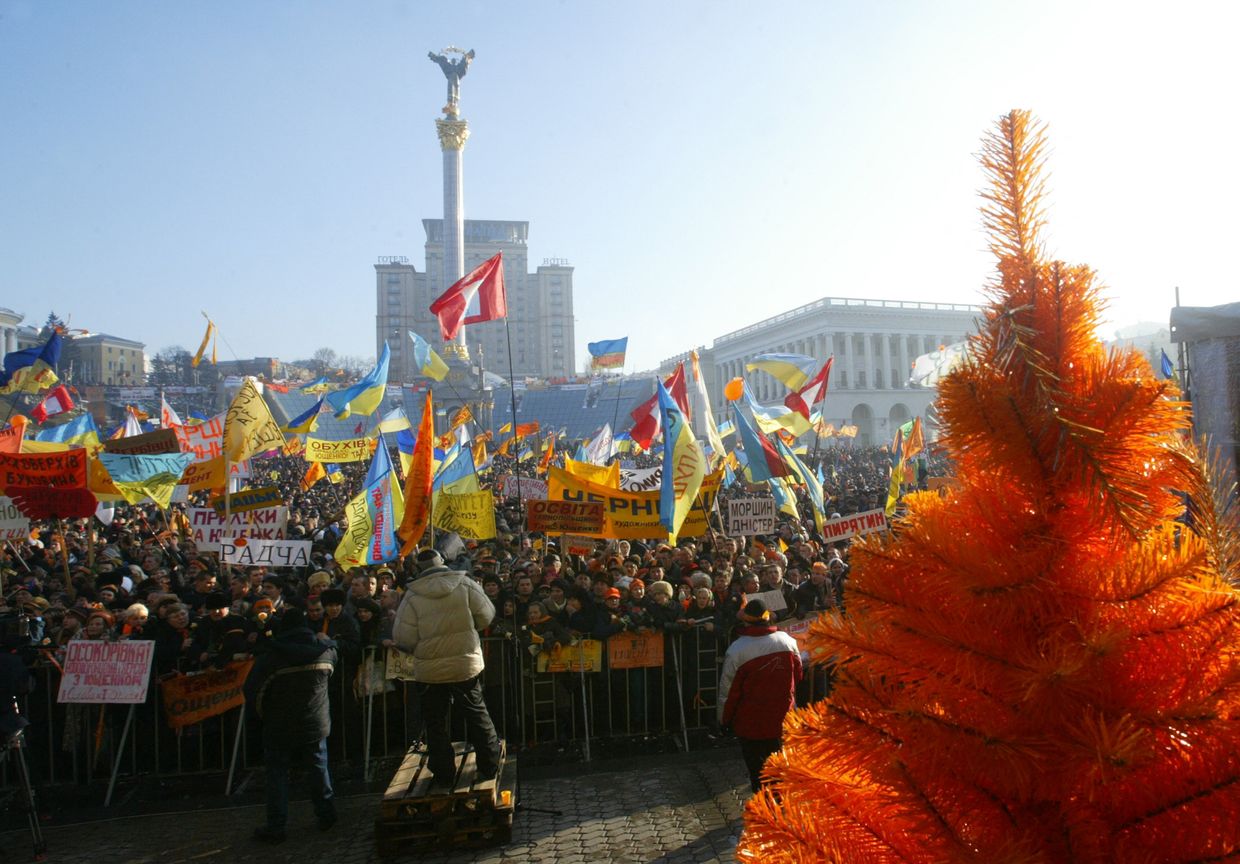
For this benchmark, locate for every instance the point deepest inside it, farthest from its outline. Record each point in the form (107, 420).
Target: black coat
(287, 688)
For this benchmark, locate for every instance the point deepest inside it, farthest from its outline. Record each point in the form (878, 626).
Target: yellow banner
(585, 656)
(632, 515)
(608, 475)
(249, 427)
(349, 450)
(204, 476)
(472, 516)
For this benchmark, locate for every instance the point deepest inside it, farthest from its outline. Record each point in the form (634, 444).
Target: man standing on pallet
(438, 623)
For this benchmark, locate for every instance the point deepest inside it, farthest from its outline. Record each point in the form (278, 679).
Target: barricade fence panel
(630, 685)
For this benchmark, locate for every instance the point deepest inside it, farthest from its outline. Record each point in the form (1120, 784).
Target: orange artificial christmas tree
(1041, 665)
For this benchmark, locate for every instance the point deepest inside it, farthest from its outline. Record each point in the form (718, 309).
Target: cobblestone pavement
(673, 809)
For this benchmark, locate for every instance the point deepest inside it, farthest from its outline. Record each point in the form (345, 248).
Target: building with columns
(10, 323)
(874, 343)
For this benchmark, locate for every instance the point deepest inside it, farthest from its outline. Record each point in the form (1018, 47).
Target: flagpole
(512, 392)
(615, 415)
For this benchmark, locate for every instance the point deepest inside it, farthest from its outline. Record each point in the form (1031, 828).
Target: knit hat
(612, 592)
(429, 558)
(700, 580)
(369, 605)
(819, 567)
(319, 579)
(217, 601)
(660, 587)
(637, 583)
(755, 612)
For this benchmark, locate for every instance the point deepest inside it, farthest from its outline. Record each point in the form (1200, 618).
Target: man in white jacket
(438, 623)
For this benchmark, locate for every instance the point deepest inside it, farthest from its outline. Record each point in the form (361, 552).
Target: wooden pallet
(472, 813)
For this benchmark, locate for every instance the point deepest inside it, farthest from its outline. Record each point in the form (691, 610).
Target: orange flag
(524, 429)
(547, 457)
(314, 474)
(418, 483)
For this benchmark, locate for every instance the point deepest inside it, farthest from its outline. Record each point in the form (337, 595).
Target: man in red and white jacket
(758, 686)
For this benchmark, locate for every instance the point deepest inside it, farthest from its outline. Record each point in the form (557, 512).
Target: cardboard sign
(635, 650)
(268, 553)
(632, 515)
(349, 450)
(204, 441)
(749, 516)
(159, 441)
(564, 517)
(106, 673)
(208, 529)
(798, 629)
(399, 665)
(65, 468)
(854, 525)
(585, 656)
(571, 544)
(249, 499)
(190, 699)
(774, 600)
(531, 487)
(13, 525)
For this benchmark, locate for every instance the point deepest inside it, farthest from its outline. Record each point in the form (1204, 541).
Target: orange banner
(190, 699)
(635, 650)
(19, 470)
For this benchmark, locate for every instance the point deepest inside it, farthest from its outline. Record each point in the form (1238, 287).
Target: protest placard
(531, 487)
(63, 468)
(190, 699)
(749, 516)
(641, 479)
(798, 629)
(571, 544)
(635, 650)
(269, 553)
(207, 527)
(249, 499)
(13, 525)
(472, 515)
(399, 665)
(146, 444)
(106, 673)
(203, 441)
(774, 600)
(564, 517)
(348, 450)
(854, 525)
(585, 656)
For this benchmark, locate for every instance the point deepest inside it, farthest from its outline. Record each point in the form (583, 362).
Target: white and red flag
(476, 297)
(647, 420)
(57, 401)
(803, 401)
(167, 417)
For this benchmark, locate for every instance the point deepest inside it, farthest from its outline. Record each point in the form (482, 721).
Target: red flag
(803, 401)
(359, 429)
(56, 402)
(646, 416)
(487, 282)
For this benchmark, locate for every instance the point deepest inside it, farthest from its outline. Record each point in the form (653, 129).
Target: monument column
(453, 134)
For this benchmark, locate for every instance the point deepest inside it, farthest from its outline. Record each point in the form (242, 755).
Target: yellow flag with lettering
(249, 427)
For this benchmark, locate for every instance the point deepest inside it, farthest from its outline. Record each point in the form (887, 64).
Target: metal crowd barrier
(375, 718)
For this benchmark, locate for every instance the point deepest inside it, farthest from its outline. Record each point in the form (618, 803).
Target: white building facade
(874, 343)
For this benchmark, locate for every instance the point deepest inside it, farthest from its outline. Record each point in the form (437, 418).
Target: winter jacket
(438, 623)
(287, 687)
(757, 686)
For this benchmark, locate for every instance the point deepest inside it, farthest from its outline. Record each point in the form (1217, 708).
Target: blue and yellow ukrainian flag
(373, 516)
(792, 369)
(608, 353)
(31, 369)
(304, 423)
(318, 385)
(684, 465)
(428, 362)
(363, 397)
(152, 476)
(80, 430)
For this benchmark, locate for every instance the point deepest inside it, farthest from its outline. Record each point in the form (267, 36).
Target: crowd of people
(143, 578)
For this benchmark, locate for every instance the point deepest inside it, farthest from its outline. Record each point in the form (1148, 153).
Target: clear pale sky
(702, 165)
